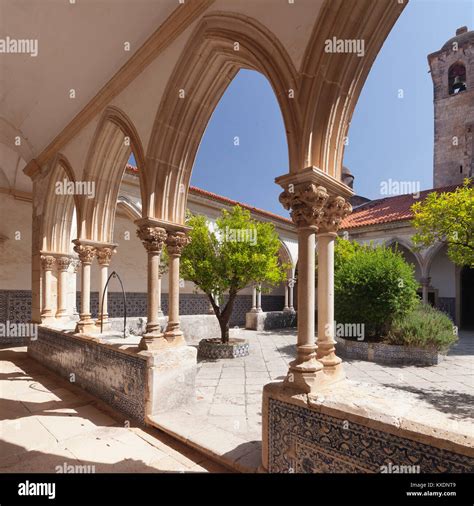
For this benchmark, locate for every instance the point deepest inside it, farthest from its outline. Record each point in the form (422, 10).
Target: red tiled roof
(389, 209)
(194, 190)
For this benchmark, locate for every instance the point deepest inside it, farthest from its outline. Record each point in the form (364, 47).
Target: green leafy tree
(449, 218)
(223, 261)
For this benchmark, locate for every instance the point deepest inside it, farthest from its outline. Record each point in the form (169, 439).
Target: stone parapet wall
(357, 428)
(270, 320)
(116, 376)
(386, 354)
(15, 305)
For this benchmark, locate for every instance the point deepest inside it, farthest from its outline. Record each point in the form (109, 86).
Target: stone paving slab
(445, 390)
(46, 422)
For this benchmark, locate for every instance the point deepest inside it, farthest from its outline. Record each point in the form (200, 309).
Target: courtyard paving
(229, 393)
(47, 424)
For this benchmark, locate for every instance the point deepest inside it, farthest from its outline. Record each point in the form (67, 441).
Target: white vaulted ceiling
(80, 47)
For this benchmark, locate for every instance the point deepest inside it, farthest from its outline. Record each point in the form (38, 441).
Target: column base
(306, 377)
(85, 326)
(62, 315)
(106, 325)
(152, 341)
(174, 337)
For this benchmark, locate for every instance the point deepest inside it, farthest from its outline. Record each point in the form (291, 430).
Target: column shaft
(153, 239)
(47, 262)
(291, 287)
(326, 344)
(63, 265)
(287, 288)
(86, 255)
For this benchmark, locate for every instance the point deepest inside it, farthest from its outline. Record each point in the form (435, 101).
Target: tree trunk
(224, 317)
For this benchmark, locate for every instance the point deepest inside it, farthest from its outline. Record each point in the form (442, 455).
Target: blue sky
(389, 137)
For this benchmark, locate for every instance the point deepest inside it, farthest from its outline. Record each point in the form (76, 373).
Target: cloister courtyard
(218, 431)
(236, 239)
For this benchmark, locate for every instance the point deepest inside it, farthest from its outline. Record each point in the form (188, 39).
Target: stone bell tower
(452, 71)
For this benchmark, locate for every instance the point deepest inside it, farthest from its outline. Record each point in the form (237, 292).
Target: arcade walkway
(46, 422)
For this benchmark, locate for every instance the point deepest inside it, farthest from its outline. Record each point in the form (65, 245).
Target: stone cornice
(166, 33)
(316, 176)
(167, 225)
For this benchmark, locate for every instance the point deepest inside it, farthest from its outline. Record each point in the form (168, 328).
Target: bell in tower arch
(459, 84)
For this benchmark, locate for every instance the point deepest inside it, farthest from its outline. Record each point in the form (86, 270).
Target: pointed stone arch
(331, 82)
(115, 139)
(60, 208)
(408, 246)
(208, 64)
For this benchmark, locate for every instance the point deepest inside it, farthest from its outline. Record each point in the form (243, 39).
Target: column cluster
(154, 238)
(316, 212)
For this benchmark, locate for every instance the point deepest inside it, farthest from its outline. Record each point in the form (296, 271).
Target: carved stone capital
(152, 238)
(104, 255)
(75, 263)
(335, 210)
(86, 253)
(176, 241)
(306, 202)
(63, 263)
(47, 262)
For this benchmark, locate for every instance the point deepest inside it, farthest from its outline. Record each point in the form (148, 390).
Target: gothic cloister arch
(408, 246)
(115, 139)
(58, 214)
(207, 65)
(331, 83)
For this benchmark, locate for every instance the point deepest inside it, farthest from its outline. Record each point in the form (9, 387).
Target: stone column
(153, 238)
(335, 210)
(254, 299)
(158, 296)
(175, 243)
(286, 307)
(259, 298)
(47, 264)
(291, 287)
(104, 256)
(86, 256)
(306, 201)
(425, 284)
(63, 264)
(75, 266)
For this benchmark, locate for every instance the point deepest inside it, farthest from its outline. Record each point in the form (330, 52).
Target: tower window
(457, 78)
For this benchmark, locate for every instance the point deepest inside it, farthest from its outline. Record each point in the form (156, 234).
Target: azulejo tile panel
(115, 377)
(302, 440)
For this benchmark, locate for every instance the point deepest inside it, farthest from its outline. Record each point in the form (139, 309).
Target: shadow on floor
(457, 405)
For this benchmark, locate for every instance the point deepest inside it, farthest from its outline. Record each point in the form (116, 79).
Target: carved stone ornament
(152, 238)
(336, 209)
(86, 253)
(176, 241)
(63, 263)
(47, 262)
(306, 202)
(104, 255)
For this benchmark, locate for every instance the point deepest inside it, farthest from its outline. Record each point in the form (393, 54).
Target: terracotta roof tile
(387, 210)
(224, 200)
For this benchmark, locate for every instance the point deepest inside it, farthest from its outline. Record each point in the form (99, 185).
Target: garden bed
(215, 349)
(387, 354)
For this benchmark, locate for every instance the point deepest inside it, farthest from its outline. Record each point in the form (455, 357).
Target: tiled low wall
(115, 376)
(385, 353)
(270, 320)
(15, 305)
(350, 435)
